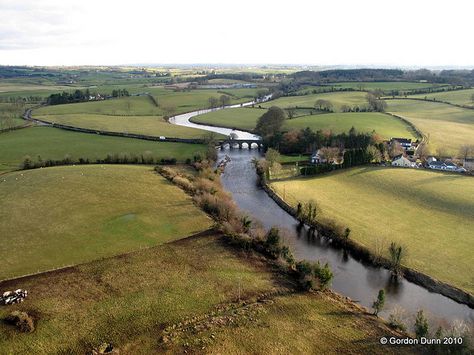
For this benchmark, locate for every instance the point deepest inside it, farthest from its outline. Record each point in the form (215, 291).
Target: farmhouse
(318, 158)
(402, 161)
(448, 166)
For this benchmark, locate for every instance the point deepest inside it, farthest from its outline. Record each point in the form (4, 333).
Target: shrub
(183, 183)
(21, 320)
(395, 320)
(421, 325)
(324, 274)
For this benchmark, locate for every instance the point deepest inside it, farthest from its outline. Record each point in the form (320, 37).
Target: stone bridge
(240, 142)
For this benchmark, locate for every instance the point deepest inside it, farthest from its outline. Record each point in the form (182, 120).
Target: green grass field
(241, 118)
(147, 125)
(53, 143)
(431, 213)
(458, 97)
(386, 86)
(129, 300)
(447, 127)
(350, 98)
(384, 125)
(128, 106)
(67, 215)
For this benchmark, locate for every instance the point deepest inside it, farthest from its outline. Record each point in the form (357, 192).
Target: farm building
(402, 161)
(404, 142)
(447, 166)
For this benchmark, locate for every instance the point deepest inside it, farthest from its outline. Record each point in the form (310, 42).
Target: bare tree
(395, 149)
(213, 102)
(466, 151)
(224, 100)
(168, 110)
(291, 111)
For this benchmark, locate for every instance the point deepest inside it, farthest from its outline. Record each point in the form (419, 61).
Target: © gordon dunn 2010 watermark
(421, 341)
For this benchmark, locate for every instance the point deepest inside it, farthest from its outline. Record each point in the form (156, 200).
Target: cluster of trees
(324, 105)
(307, 141)
(120, 92)
(69, 97)
(374, 102)
(8, 113)
(221, 101)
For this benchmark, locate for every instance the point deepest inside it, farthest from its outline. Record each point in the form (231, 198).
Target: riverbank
(362, 253)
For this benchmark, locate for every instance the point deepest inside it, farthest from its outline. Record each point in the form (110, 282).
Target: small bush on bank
(22, 320)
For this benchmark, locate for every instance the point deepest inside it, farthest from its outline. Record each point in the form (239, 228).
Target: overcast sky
(327, 32)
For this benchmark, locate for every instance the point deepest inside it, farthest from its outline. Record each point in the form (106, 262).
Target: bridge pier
(240, 143)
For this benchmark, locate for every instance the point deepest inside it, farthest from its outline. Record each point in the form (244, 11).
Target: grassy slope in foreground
(447, 127)
(458, 97)
(128, 300)
(350, 98)
(67, 215)
(53, 143)
(431, 213)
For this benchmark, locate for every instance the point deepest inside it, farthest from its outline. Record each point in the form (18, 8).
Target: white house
(403, 162)
(318, 158)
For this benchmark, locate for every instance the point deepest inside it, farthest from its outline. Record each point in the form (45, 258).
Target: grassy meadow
(244, 118)
(53, 143)
(430, 213)
(384, 125)
(127, 106)
(147, 125)
(350, 98)
(130, 300)
(458, 97)
(446, 127)
(386, 86)
(61, 216)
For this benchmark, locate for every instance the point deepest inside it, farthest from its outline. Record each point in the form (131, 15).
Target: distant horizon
(318, 67)
(409, 34)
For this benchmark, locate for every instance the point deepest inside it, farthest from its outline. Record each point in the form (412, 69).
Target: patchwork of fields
(431, 213)
(246, 119)
(75, 214)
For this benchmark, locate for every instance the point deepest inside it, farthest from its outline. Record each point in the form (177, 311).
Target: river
(352, 278)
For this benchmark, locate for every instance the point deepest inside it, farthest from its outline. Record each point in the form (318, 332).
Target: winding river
(352, 278)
